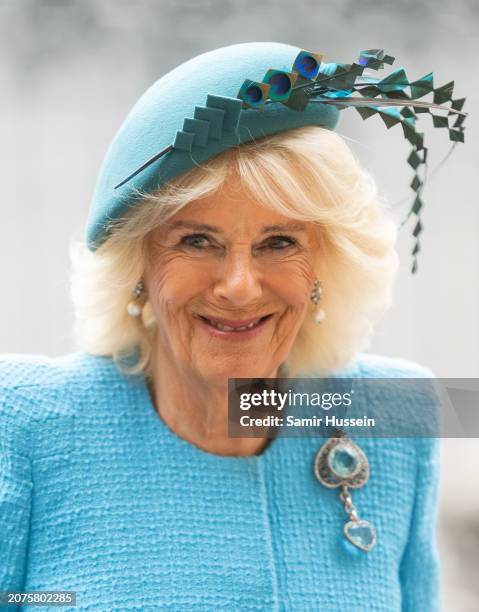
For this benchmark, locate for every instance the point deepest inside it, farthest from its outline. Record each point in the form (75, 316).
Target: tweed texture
(194, 107)
(99, 496)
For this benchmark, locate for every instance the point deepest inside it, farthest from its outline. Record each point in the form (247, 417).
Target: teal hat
(244, 92)
(195, 108)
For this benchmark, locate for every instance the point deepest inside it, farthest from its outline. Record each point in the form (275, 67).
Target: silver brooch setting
(340, 463)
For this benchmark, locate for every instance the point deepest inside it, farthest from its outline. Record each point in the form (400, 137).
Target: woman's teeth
(230, 329)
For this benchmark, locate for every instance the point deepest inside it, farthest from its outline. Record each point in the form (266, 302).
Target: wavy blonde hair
(308, 173)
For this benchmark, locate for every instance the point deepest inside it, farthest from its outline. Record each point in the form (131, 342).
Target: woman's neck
(196, 411)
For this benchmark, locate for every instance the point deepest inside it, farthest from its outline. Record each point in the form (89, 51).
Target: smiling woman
(295, 205)
(251, 246)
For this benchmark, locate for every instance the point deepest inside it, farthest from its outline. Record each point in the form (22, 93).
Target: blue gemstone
(361, 533)
(343, 461)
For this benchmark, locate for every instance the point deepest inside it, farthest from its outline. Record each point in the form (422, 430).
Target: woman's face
(218, 264)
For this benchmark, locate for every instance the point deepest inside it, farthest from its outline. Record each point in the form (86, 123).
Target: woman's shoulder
(371, 365)
(39, 396)
(405, 396)
(46, 381)
(22, 371)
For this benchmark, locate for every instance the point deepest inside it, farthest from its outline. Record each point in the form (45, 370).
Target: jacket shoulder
(39, 396)
(369, 365)
(22, 371)
(404, 395)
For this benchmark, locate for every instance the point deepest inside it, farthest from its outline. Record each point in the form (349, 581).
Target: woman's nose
(239, 280)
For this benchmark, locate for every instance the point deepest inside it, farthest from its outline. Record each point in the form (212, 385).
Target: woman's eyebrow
(286, 227)
(192, 225)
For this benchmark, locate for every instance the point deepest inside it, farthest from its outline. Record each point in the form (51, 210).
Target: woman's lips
(228, 330)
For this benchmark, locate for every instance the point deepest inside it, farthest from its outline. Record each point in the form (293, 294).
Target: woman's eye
(281, 242)
(196, 241)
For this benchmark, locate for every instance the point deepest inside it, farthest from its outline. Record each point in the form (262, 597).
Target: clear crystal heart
(361, 533)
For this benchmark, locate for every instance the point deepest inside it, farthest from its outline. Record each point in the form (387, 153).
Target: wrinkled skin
(238, 273)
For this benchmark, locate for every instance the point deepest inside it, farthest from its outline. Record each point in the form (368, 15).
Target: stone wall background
(71, 69)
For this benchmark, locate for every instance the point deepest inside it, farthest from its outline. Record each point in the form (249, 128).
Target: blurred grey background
(71, 69)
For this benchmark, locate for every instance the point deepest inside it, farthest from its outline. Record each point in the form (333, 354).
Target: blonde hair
(308, 173)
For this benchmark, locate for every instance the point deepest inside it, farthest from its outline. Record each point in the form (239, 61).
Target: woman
(255, 249)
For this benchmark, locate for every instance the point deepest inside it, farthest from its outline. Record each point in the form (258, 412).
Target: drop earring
(316, 292)
(134, 307)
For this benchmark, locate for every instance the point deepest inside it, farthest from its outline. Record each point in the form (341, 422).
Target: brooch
(341, 463)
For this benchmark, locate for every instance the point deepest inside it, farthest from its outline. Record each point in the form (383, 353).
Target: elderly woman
(239, 243)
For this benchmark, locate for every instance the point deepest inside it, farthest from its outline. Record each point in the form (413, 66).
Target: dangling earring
(134, 307)
(316, 292)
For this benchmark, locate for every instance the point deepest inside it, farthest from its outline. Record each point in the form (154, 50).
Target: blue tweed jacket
(100, 497)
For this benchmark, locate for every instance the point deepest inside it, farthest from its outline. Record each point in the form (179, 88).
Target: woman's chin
(220, 375)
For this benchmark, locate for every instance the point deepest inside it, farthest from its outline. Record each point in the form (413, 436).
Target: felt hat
(195, 109)
(245, 92)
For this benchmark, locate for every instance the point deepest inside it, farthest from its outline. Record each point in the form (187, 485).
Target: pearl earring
(134, 308)
(316, 292)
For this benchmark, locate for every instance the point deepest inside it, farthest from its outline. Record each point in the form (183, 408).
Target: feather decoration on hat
(394, 98)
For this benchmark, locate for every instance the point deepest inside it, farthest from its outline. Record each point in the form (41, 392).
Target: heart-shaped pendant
(341, 463)
(361, 533)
